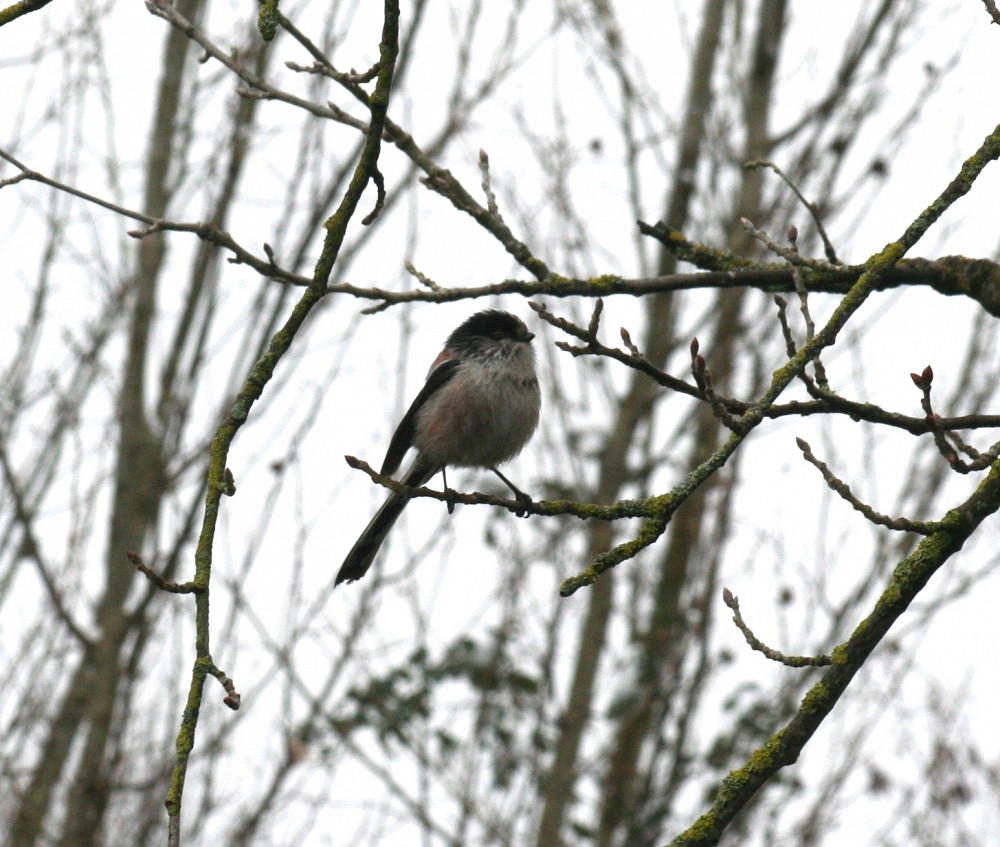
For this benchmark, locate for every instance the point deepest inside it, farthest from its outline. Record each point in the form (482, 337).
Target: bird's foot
(524, 504)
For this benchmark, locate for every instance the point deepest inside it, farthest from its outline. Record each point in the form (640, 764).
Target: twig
(942, 435)
(228, 483)
(703, 377)
(800, 289)
(379, 181)
(831, 254)
(595, 318)
(420, 277)
(841, 488)
(491, 198)
(786, 331)
(924, 380)
(159, 581)
(232, 699)
(700, 255)
(633, 359)
(792, 256)
(755, 643)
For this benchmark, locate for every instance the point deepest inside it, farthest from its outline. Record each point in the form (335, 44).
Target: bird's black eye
(498, 335)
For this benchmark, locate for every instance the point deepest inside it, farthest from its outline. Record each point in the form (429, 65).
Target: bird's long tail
(367, 546)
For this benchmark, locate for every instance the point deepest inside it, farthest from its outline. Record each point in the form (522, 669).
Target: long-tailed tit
(477, 409)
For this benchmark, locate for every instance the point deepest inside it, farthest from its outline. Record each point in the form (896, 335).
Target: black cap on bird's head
(493, 324)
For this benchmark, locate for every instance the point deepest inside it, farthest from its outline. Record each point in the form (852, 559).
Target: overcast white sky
(915, 329)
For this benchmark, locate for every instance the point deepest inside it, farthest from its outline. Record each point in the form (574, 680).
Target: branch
(219, 481)
(437, 179)
(206, 231)
(992, 10)
(952, 276)
(548, 508)
(31, 549)
(824, 401)
(24, 7)
(592, 346)
(878, 265)
(784, 747)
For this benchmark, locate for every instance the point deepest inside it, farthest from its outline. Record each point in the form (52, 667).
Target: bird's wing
(402, 439)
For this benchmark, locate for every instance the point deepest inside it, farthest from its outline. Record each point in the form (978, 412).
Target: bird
(478, 408)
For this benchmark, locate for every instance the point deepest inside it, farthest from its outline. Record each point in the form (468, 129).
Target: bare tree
(294, 162)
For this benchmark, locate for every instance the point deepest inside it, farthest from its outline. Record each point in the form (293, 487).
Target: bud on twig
(924, 378)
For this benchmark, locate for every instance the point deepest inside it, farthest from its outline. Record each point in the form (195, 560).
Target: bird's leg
(523, 499)
(449, 495)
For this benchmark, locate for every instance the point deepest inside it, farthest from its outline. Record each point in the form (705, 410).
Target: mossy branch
(784, 747)
(260, 374)
(910, 575)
